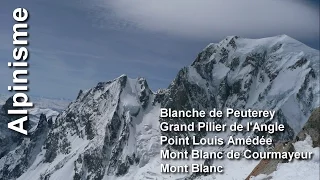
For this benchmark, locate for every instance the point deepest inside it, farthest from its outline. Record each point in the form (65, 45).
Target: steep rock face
(8, 139)
(105, 131)
(112, 130)
(311, 129)
(276, 73)
(17, 161)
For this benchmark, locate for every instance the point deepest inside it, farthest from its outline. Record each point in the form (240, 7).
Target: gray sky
(76, 43)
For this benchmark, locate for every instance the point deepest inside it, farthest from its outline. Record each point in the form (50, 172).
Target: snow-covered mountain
(112, 130)
(54, 104)
(50, 107)
(307, 140)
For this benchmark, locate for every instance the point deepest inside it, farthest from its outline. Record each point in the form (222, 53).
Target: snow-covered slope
(276, 73)
(307, 170)
(50, 107)
(107, 129)
(308, 140)
(111, 131)
(24, 151)
(43, 103)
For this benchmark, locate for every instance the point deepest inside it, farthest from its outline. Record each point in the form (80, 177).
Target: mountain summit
(112, 130)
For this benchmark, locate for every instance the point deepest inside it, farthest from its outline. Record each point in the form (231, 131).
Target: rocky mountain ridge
(111, 131)
(310, 133)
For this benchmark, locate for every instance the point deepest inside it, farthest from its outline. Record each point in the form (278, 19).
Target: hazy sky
(76, 43)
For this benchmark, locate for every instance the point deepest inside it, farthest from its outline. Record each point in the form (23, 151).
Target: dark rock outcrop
(311, 128)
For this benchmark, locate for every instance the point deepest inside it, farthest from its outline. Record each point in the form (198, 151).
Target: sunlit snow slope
(112, 130)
